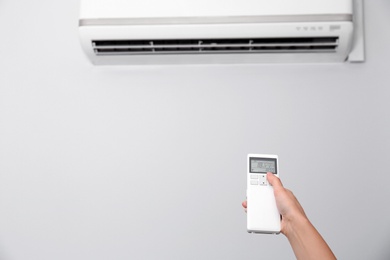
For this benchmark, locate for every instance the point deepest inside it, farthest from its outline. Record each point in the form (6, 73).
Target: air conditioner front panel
(218, 43)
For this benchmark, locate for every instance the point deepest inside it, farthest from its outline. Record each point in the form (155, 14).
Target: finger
(244, 204)
(274, 180)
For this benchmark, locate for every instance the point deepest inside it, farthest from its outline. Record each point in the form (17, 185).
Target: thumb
(274, 180)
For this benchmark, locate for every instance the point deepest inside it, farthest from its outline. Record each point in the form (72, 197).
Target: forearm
(305, 240)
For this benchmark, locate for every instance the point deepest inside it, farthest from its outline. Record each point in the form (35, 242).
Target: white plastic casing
(92, 9)
(262, 213)
(202, 19)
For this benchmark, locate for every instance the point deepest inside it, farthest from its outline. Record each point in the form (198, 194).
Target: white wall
(149, 162)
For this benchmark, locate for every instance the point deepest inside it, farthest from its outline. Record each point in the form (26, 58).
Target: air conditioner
(221, 31)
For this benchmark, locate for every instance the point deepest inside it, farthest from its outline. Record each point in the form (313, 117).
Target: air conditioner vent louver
(214, 46)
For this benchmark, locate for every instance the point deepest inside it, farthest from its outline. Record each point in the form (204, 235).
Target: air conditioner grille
(213, 46)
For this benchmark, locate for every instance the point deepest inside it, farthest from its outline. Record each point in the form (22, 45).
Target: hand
(286, 202)
(305, 240)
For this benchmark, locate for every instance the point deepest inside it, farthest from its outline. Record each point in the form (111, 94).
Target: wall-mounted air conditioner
(221, 31)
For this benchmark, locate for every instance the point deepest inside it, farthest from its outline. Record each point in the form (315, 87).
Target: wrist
(293, 223)
(305, 240)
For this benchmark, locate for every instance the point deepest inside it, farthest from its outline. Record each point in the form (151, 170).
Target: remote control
(262, 214)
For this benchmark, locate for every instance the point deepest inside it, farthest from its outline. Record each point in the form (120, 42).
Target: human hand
(286, 202)
(305, 240)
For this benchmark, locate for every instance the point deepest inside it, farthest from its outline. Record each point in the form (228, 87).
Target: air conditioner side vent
(213, 46)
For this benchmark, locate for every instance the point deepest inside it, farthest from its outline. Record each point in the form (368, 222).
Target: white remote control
(262, 214)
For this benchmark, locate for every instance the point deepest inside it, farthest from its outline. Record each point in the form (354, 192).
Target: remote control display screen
(262, 165)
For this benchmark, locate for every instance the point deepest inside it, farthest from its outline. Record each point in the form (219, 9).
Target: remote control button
(263, 180)
(254, 182)
(254, 176)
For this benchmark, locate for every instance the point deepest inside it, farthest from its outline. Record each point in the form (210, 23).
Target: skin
(305, 240)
